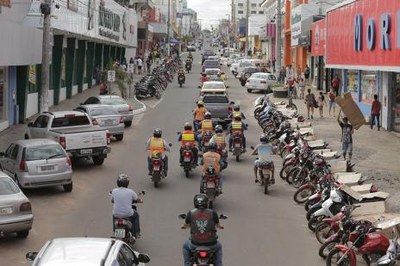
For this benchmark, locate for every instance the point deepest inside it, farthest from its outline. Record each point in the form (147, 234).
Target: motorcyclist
(236, 112)
(206, 125)
(219, 140)
(264, 150)
(188, 136)
(157, 145)
(203, 78)
(237, 126)
(203, 224)
(211, 158)
(190, 56)
(188, 63)
(123, 198)
(181, 73)
(198, 115)
(223, 77)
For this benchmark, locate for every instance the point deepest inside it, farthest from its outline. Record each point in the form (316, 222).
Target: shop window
(368, 86)
(253, 5)
(352, 82)
(240, 4)
(2, 91)
(260, 12)
(63, 65)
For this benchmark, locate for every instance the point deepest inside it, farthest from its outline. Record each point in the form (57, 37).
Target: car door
(11, 157)
(39, 127)
(5, 161)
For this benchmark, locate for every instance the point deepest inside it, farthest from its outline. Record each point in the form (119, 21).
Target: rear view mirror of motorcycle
(142, 192)
(223, 216)
(182, 216)
(252, 147)
(170, 144)
(178, 133)
(143, 258)
(199, 87)
(232, 102)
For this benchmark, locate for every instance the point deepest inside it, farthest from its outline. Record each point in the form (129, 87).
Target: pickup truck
(219, 106)
(75, 132)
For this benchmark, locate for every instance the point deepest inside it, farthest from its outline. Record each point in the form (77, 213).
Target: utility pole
(45, 9)
(278, 37)
(168, 27)
(246, 47)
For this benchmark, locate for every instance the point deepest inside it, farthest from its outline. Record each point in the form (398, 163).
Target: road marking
(154, 105)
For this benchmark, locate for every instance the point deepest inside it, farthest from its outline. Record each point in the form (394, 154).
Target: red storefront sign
(364, 33)
(318, 39)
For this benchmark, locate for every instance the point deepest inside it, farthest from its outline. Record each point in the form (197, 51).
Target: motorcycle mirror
(199, 87)
(178, 133)
(170, 144)
(144, 258)
(143, 192)
(247, 125)
(232, 102)
(223, 216)
(227, 87)
(182, 216)
(109, 192)
(252, 147)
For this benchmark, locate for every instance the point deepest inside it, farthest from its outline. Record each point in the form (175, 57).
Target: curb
(140, 110)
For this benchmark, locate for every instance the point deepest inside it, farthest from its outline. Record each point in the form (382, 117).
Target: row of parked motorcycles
(152, 84)
(328, 203)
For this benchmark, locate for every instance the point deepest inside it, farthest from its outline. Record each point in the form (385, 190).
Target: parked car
(243, 63)
(75, 132)
(15, 208)
(106, 117)
(34, 163)
(86, 251)
(210, 64)
(261, 81)
(119, 104)
(246, 73)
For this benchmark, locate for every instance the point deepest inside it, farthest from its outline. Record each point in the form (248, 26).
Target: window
(32, 78)
(260, 12)
(253, 12)
(240, 4)
(9, 150)
(125, 256)
(70, 121)
(7, 187)
(14, 152)
(352, 81)
(368, 86)
(253, 5)
(41, 121)
(44, 152)
(240, 12)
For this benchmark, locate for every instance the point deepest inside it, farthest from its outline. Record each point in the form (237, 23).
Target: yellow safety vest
(187, 137)
(206, 125)
(236, 125)
(219, 139)
(237, 113)
(156, 144)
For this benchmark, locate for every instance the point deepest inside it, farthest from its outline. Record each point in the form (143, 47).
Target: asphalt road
(261, 229)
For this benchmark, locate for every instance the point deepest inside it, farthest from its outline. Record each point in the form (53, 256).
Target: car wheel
(243, 83)
(128, 123)
(119, 137)
(249, 90)
(269, 90)
(23, 234)
(97, 160)
(68, 187)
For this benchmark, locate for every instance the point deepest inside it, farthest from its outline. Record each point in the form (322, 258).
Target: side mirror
(30, 256)
(30, 124)
(227, 87)
(252, 147)
(199, 87)
(178, 133)
(144, 258)
(223, 216)
(182, 216)
(247, 125)
(232, 102)
(143, 192)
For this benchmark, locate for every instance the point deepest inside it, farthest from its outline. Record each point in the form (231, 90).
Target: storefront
(363, 42)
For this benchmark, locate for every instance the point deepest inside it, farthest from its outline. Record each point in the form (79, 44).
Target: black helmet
(122, 180)
(187, 126)
(200, 201)
(218, 129)
(236, 107)
(207, 115)
(212, 146)
(263, 138)
(157, 133)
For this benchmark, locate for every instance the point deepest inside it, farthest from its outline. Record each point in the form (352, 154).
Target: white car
(86, 251)
(234, 68)
(231, 59)
(261, 81)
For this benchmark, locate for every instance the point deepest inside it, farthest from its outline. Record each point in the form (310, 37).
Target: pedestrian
(135, 65)
(332, 101)
(311, 103)
(289, 73)
(375, 112)
(273, 64)
(315, 80)
(321, 103)
(131, 60)
(148, 64)
(298, 72)
(335, 83)
(282, 75)
(97, 74)
(347, 138)
(292, 91)
(139, 65)
(307, 75)
(302, 88)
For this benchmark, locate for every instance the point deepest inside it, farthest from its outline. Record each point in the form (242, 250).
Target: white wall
(74, 89)
(32, 104)
(84, 87)
(63, 94)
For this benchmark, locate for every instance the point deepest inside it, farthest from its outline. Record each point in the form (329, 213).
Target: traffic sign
(111, 76)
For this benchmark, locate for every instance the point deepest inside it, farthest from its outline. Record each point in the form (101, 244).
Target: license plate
(156, 167)
(47, 168)
(210, 185)
(237, 145)
(6, 210)
(120, 233)
(86, 151)
(187, 159)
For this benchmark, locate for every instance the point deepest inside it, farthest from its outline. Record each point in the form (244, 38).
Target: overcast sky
(210, 11)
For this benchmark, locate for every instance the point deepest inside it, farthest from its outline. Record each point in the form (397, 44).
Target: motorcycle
(237, 145)
(210, 186)
(224, 157)
(181, 80)
(158, 172)
(188, 67)
(203, 255)
(392, 253)
(188, 160)
(205, 140)
(264, 175)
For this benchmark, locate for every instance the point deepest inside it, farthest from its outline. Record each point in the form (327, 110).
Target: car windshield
(214, 86)
(212, 72)
(43, 152)
(215, 99)
(113, 101)
(211, 63)
(103, 111)
(7, 187)
(67, 121)
(257, 76)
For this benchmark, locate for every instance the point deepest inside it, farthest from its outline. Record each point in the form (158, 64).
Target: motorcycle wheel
(266, 183)
(210, 204)
(323, 232)
(157, 95)
(156, 184)
(187, 173)
(180, 85)
(292, 173)
(310, 212)
(308, 204)
(285, 170)
(237, 158)
(299, 179)
(302, 195)
(334, 255)
(312, 223)
(326, 248)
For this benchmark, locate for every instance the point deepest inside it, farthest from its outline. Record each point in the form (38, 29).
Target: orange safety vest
(199, 113)
(187, 137)
(236, 126)
(206, 125)
(220, 140)
(211, 158)
(156, 145)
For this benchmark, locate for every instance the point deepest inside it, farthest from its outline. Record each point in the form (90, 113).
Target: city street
(261, 229)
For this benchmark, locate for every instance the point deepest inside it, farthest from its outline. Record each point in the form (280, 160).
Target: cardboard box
(351, 110)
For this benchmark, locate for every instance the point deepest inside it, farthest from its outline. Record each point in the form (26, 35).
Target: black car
(246, 73)
(206, 54)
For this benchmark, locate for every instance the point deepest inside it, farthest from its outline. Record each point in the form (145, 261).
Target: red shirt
(376, 107)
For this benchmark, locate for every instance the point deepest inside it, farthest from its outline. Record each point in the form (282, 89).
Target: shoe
(312, 117)
(256, 181)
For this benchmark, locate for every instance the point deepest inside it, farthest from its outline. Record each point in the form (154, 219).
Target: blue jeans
(188, 246)
(373, 117)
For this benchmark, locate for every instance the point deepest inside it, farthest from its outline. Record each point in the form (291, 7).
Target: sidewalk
(17, 132)
(376, 153)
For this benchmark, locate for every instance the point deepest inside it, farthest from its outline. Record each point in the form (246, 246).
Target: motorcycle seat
(205, 248)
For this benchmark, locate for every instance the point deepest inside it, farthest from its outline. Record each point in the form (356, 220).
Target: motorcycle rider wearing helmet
(236, 112)
(264, 150)
(207, 125)
(199, 115)
(211, 159)
(219, 140)
(181, 73)
(237, 126)
(188, 137)
(203, 224)
(203, 78)
(188, 63)
(157, 146)
(190, 56)
(123, 198)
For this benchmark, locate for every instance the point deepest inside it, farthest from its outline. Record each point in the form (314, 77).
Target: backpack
(307, 71)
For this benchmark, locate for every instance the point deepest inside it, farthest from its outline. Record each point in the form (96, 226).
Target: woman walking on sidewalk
(321, 103)
(310, 102)
(332, 101)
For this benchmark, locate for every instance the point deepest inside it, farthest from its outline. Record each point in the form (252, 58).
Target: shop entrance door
(396, 102)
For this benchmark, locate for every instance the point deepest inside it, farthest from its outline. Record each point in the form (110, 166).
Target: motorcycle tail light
(156, 162)
(230, 109)
(187, 153)
(374, 189)
(130, 108)
(203, 254)
(108, 138)
(120, 222)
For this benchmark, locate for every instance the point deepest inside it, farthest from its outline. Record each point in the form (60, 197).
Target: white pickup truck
(75, 132)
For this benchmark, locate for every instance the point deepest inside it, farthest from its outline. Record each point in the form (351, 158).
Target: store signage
(295, 25)
(364, 33)
(6, 3)
(109, 23)
(318, 38)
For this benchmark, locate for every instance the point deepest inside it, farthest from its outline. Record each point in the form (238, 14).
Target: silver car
(34, 163)
(119, 104)
(15, 209)
(106, 117)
